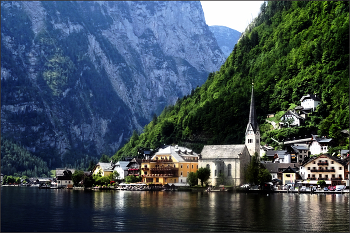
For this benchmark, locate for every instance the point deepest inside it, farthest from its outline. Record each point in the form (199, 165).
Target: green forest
(291, 49)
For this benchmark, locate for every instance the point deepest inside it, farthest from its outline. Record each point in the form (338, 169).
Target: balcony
(145, 168)
(322, 178)
(157, 160)
(165, 175)
(311, 178)
(163, 169)
(322, 163)
(322, 170)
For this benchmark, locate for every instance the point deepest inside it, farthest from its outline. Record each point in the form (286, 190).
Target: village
(300, 166)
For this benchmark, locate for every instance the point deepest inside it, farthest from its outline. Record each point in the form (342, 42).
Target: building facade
(170, 165)
(227, 163)
(323, 167)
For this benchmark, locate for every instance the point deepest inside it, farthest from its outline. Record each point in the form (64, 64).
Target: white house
(291, 119)
(122, 169)
(319, 145)
(310, 101)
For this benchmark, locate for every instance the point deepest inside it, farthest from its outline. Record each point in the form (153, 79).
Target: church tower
(252, 133)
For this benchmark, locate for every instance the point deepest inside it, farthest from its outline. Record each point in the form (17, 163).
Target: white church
(232, 160)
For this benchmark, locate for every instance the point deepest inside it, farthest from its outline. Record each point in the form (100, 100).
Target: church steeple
(253, 122)
(252, 134)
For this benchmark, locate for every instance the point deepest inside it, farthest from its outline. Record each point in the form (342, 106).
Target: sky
(233, 14)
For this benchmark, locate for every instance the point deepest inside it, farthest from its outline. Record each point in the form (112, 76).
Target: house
(229, 160)
(122, 169)
(276, 169)
(64, 177)
(279, 156)
(104, 169)
(289, 176)
(291, 119)
(300, 151)
(310, 102)
(171, 164)
(319, 145)
(323, 167)
(134, 167)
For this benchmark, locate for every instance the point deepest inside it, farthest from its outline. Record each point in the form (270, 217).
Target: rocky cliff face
(78, 77)
(226, 38)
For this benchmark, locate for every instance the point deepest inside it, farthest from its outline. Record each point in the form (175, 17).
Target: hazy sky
(233, 14)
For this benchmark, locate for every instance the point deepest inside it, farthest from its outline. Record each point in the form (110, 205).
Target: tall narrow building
(252, 133)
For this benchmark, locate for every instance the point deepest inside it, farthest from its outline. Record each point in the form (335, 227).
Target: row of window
(229, 168)
(320, 176)
(251, 140)
(314, 168)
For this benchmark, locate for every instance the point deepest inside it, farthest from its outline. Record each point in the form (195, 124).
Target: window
(181, 180)
(332, 162)
(257, 140)
(339, 175)
(215, 172)
(192, 166)
(308, 175)
(181, 165)
(333, 175)
(197, 166)
(229, 170)
(181, 173)
(339, 168)
(164, 179)
(208, 166)
(145, 165)
(314, 162)
(300, 156)
(313, 176)
(332, 168)
(145, 173)
(174, 180)
(187, 166)
(157, 179)
(308, 168)
(174, 165)
(149, 180)
(188, 173)
(65, 182)
(287, 175)
(320, 175)
(326, 177)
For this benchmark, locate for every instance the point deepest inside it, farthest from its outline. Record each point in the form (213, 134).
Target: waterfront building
(323, 167)
(170, 165)
(122, 169)
(276, 169)
(289, 176)
(228, 163)
(104, 169)
(64, 177)
(134, 167)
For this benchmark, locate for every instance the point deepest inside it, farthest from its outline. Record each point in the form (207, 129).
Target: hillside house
(323, 167)
(319, 145)
(300, 151)
(291, 119)
(279, 156)
(310, 102)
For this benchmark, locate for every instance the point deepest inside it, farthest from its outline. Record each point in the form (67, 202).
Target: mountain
(291, 49)
(78, 77)
(226, 38)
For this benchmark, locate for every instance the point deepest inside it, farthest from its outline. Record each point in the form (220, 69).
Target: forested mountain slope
(291, 49)
(77, 77)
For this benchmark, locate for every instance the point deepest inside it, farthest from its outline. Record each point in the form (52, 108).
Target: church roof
(222, 151)
(253, 122)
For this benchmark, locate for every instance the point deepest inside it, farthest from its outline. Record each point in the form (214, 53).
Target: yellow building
(289, 176)
(171, 164)
(105, 169)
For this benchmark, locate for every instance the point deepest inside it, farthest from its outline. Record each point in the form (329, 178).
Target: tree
(77, 176)
(105, 159)
(192, 179)
(132, 179)
(203, 174)
(321, 183)
(256, 173)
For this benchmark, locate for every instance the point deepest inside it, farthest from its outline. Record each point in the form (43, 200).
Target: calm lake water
(31, 209)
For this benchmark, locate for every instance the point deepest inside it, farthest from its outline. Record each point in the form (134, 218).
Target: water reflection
(70, 210)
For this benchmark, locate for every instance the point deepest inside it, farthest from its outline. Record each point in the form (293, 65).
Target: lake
(32, 209)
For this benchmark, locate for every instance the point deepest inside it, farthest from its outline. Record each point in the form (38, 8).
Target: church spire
(252, 115)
